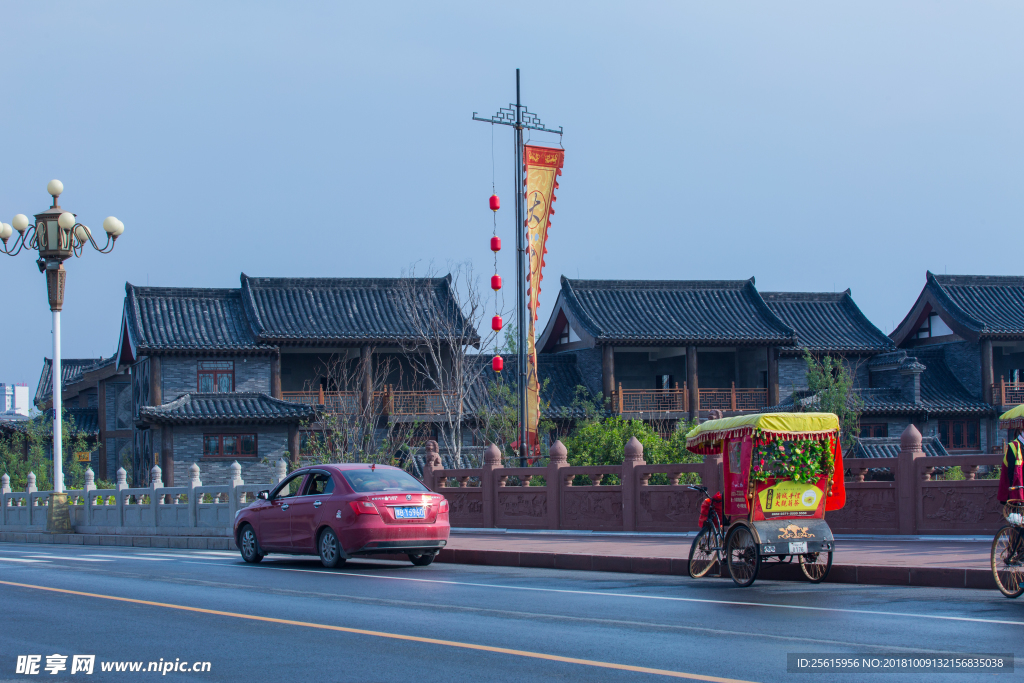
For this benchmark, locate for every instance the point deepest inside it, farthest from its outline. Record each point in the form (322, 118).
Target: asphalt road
(288, 619)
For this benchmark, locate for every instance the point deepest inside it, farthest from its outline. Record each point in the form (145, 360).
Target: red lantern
(495, 243)
(495, 202)
(495, 282)
(497, 364)
(496, 323)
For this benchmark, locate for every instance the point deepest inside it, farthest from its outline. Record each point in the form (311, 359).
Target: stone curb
(933, 577)
(179, 542)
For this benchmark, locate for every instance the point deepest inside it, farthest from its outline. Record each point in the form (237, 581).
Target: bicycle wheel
(703, 552)
(742, 555)
(1008, 561)
(816, 566)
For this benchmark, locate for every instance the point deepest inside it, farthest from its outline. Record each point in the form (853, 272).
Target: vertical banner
(543, 165)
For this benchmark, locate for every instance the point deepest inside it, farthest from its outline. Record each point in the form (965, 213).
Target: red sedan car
(342, 511)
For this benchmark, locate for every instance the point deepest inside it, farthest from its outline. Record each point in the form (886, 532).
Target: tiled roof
(889, 447)
(827, 322)
(348, 310)
(71, 371)
(678, 312)
(177, 318)
(229, 408)
(988, 304)
(87, 420)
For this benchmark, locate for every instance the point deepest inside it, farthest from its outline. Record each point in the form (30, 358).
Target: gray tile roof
(827, 322)
(981, 306)
(889, 447)
(228, 408)
(71, 370)
(347, 310)
(180, 318)
(677, 312)
(86, 420)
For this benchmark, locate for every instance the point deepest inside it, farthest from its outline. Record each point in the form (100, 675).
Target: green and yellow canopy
(781, 425)
(1013, 418)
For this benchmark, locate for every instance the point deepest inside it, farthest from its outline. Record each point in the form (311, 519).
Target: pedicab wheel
(702, 553)
(816, 566)
(1008, 561)
(742, 555)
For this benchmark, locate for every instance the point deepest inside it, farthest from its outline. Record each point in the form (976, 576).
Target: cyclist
(1010, 477)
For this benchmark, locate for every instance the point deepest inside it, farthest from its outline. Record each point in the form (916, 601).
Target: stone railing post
(5, 488)
(122, 484)
(233, 492)
(90, 485)
(908, 484)
(488, 482)
(156, 482)
(280, 472)
(30, 483)
(557, 459)
(431, 463)
(634, 457)
(194, 482)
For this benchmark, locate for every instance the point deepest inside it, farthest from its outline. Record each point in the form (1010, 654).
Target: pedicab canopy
(1013, 418)
(776, 465)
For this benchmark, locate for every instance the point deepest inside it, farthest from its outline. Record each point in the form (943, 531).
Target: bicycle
(1008, 550)
(707, 546)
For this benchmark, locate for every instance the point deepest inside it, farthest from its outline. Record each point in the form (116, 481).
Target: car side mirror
(263, 495)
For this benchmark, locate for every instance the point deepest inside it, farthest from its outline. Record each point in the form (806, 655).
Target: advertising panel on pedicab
(736, 466)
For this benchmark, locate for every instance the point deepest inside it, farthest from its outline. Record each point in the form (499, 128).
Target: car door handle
(316, 504)
(285, 506)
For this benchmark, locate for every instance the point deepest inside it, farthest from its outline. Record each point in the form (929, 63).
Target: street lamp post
(58, 236)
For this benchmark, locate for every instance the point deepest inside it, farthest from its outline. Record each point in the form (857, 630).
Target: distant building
(14, 399)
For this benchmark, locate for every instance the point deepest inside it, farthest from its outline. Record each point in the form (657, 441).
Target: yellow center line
(393, 636)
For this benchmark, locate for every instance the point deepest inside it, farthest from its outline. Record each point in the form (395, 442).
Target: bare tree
(445, 314)
(353, 424)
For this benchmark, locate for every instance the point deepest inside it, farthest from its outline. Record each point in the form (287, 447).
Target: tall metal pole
(58, 451)
(521, 262)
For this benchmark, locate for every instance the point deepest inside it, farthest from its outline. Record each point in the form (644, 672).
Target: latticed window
(229, 445)
(216, 376)
(956, 434)
(874, 429)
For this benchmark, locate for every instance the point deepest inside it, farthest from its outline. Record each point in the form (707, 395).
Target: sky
(815, 146)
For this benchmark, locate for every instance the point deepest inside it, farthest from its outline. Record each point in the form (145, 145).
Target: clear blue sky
(814, 145)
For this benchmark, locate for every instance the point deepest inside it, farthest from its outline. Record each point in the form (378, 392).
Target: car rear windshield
(363, 481)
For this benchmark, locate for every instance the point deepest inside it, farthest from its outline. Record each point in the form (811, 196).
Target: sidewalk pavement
(943, 561)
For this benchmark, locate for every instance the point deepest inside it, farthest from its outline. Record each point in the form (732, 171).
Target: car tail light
(443, 507)
(363, 507)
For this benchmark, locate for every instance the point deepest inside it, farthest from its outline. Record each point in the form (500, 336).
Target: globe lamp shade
(66, 220)
(5, 231)
(82, 233)
(112, 226)
(55, 187)
(20, 222)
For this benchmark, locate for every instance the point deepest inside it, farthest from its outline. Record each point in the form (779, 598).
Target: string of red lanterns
(497, 363)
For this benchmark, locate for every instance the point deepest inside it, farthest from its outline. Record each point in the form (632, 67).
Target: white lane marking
(706, 601)
(127, 557)
(20, 559)
(73, 558)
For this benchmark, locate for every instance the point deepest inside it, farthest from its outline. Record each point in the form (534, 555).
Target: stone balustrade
(156, 506)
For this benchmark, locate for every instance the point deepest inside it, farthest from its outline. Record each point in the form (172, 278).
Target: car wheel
(330, 549)
(421, 560)
(248, 545)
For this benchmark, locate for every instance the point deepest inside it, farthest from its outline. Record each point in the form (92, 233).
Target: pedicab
(1007, 555)
(781, 473)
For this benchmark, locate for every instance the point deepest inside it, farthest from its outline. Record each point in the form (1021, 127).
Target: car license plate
(417, 513)
(798, 548)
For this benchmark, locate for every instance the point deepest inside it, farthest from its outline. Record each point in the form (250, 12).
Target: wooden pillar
(988, 379)
(691, 381)
(101, 405)
(167, 454)
(275, 375)
(366, 375)
(608, 371)
(773, 376)
(155, 382)
(294, 443)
